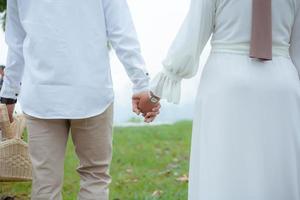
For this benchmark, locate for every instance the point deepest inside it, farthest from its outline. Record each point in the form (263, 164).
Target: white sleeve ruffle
(167, 86)
(182, 61)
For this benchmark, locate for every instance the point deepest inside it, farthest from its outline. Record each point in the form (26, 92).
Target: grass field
(148, 163)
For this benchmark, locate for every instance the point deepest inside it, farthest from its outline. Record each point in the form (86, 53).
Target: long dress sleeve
(295, 42)
(182, 60)
(123, 37)
(14, 37)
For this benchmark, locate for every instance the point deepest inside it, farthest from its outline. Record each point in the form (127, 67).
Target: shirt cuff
(142, 84)
(137, 90)
(167, 86)
(9, 92)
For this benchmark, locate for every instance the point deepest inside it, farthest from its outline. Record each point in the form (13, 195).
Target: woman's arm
(182, 60)
(295, 42)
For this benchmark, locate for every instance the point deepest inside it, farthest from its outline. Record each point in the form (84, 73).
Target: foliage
(2, 5)
(2, 9)
(149, 163)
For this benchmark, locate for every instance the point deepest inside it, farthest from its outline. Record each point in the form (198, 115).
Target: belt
(278, 50)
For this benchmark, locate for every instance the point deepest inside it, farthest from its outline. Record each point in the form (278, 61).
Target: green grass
(147, 162)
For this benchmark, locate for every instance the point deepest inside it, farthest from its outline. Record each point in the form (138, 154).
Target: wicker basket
(15, 164)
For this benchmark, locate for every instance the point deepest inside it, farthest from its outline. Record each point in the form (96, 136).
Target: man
(52, 44)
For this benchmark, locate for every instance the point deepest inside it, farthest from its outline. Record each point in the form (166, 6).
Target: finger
(11, 119)
(135, 96)
(154, 114)
(10, 115)
(156, 108)
(151, 114)
(136, 111)
(10, 109)
(135, 108)
(149, 120)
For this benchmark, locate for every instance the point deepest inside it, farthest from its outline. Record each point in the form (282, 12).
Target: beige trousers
(92, 138)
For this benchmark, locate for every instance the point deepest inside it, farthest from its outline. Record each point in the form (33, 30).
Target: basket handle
(20, 126)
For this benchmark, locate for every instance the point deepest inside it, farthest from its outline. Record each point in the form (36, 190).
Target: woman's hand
(150, 116)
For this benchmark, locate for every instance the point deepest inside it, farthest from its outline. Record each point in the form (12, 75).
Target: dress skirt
(246, 132)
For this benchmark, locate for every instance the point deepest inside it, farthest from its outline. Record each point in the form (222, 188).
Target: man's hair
(2, 66)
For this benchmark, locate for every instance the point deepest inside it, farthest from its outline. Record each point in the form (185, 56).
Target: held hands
(143, 103)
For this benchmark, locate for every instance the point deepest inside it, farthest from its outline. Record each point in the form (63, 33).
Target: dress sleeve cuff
(9, 92)
(167, 86)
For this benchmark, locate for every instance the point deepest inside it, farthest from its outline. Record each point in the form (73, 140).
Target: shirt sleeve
(295, 42)
(182, 60)
(123, 38)
(14, 36)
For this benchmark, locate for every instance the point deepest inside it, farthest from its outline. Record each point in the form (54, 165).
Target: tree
(2, 5)
(2, 10)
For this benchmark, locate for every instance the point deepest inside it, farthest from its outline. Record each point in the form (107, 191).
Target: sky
(157, 23)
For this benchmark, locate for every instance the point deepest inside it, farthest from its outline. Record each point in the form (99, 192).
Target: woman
(246, 134)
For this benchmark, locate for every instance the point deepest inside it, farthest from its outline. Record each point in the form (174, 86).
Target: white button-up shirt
(58, 56)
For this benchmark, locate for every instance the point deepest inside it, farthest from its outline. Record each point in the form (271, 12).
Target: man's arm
(14, 35)
(122, 35)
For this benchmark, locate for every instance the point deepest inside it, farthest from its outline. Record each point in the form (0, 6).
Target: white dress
(246, 132)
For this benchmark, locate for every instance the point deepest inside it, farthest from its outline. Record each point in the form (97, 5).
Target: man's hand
(10, 111)
(141, 103)
(10, 105)
(135, 103)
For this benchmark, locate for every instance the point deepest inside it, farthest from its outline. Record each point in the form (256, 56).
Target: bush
(2, 5)
(2, 9)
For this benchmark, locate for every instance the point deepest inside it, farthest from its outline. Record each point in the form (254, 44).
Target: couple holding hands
(245, 143)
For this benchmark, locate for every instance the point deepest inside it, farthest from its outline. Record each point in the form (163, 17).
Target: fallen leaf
(166, 172)
(183, 178)
(157, 193)
(135, 180)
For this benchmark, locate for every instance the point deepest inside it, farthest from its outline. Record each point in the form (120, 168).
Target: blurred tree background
(2, 9)
(2, 5)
